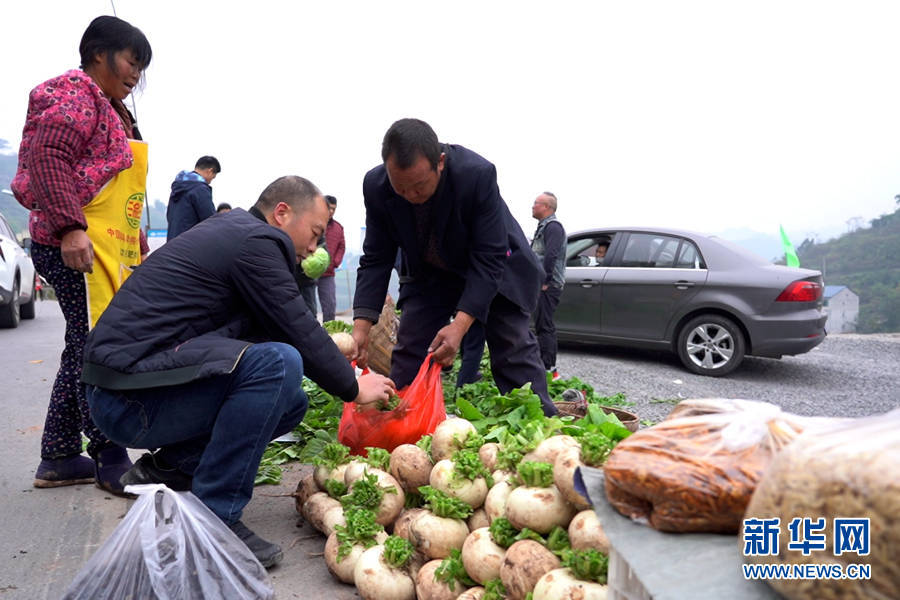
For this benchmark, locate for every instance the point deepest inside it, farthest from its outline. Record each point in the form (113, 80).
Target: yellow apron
(114, 221)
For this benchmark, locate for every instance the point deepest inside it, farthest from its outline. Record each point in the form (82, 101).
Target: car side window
(688, 257)
(6, 230)
(650, 250)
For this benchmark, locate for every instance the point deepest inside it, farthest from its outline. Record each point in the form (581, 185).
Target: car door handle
(588, 283)
(683, 285)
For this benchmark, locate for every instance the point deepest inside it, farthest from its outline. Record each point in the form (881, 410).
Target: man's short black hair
(208, 162)
(331, 200)
(407, 140)
(223, 206)
(297, 192)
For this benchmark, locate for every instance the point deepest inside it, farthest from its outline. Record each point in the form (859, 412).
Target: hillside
(866, 261)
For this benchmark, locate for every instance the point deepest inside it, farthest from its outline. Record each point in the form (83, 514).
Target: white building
(842, 308)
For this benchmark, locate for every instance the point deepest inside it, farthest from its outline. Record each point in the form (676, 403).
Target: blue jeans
(215, 429)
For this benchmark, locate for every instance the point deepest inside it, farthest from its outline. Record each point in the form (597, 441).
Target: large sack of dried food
(850, 471)
(696, 470)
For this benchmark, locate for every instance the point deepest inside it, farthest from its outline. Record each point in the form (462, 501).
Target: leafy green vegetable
(335, 488)
(494, 590)
(413, 500)
(467, 466)
(530, 534)
(361, 529)
(443, 505)
(587, 565)
(502, 532)
(558, 540)
(315, 264)
(337, 326)
(535, 474)
(595, 448)
(425, 444)
(378, 458)
(366, 493)
(333, 455)
(451, 571)
(397, 551)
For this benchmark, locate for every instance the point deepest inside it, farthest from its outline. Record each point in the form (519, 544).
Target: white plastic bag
(170, 546)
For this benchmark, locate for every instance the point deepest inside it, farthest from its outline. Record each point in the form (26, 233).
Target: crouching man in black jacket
(202, 351)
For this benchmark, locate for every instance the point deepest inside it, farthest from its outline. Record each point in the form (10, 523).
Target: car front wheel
(711, 345)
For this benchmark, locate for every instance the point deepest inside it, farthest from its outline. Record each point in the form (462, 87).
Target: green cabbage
(315, 264)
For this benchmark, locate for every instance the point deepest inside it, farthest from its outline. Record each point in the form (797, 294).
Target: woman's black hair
(110, 35)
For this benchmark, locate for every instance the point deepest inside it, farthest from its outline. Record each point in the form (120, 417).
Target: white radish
(316, 506)
(473, 593)
(401, 525)
(496, 499)
(345, 343)
(393, 499)
(586, 532)
(524, 564)
(354, 470)
(538, 508)
(445, 478)
(427, 586)
(488, 455)
(342, 569)
(564, 477)
(560, 584)
(322, 473)
(376, 580)
(331, 518)
(305, 488)
(435, 536)
(449, 436)
(481, 556)
(478, 520)
(547, 450)
(411, 466)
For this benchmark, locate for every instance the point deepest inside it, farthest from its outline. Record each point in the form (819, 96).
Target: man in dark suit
(464, 257)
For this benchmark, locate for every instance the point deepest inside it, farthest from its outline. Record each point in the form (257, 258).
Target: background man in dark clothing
(465, 257)
(223, 207)
(334, 243)
(202, 350)
(191, 199)
(549, 244)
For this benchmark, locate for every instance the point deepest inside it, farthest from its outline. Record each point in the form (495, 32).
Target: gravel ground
(848, 375)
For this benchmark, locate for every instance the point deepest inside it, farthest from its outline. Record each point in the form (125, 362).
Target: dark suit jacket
(477, 238)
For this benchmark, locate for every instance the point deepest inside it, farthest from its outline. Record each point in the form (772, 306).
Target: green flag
(790, 256)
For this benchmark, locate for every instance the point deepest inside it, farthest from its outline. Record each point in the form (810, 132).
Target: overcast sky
(702, 115)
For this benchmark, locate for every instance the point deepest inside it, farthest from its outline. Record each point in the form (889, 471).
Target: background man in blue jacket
(465, 257)
(191, 199)
(202, 351)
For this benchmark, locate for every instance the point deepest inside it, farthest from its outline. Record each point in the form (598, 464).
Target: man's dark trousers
(544, 326)
(427, 306)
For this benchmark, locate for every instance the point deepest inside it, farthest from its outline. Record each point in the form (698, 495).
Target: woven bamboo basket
(382, 338)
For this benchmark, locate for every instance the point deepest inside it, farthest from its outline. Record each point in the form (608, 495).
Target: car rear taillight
(801, 291)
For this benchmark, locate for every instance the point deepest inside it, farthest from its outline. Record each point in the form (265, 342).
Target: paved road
(845, 376)
(47, 535)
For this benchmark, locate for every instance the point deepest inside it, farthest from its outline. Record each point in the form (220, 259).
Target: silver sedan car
(706, 299)
(17, 291)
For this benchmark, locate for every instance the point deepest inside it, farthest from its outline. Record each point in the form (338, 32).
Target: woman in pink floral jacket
(74, 143)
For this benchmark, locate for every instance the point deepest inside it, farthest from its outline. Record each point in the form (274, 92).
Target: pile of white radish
(470, 520)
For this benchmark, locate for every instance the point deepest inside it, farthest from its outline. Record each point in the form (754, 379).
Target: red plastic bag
(421, 409)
